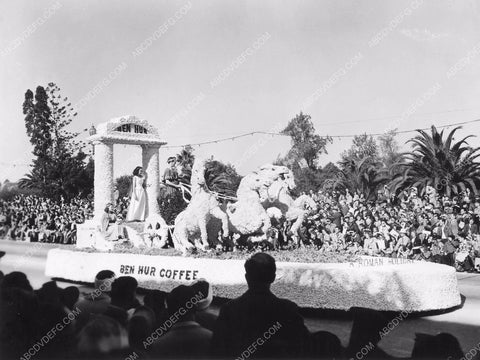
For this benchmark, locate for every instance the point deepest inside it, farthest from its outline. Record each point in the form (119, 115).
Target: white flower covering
(103, 186)
(151, 166)
(247, 215)
(107, 132)
(418, 286)
(191, 223)
(105, 137)
(110, 126)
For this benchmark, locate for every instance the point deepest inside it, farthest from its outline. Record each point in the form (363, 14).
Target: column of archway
(151, 167)
(103, 177)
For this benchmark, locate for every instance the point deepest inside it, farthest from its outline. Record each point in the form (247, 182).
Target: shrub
(171, 205)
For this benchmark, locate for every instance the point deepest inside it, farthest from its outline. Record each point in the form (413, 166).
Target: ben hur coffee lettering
(137, 129)
(173, 274)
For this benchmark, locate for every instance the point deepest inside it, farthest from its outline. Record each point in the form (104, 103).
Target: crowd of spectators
(114, 322)
(412, 226)
(36, 219)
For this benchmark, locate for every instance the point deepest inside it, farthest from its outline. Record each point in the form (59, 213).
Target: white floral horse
(191, 223)
(294, 210)
(247, 216)
(297, 213)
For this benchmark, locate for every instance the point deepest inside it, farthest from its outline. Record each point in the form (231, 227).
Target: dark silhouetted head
(441, 346)
(326, 345)
(203, 289)
(124, 292)
(69, 296)
(155, 300)
(101, 336)
(16, 279)
(260, 269)
(104, 280)
(181, 300)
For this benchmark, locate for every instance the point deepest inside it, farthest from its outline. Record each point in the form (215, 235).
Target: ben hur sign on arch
(132, 131)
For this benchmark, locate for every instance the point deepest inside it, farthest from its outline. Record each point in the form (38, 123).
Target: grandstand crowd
(429, 227)
(37, 219)
(411, 226)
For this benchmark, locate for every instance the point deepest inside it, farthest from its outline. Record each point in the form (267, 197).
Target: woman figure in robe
(109, 228)
(138, 198)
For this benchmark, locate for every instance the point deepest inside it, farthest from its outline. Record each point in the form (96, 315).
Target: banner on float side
(375, 283)
(84, 266)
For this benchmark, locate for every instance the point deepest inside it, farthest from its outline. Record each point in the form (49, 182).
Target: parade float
(262, 197)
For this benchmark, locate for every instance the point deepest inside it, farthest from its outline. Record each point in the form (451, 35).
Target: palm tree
(440, 163)
(27, 182)
(185, 159)
(359, 175)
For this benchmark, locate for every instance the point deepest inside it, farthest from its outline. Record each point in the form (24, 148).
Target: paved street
(464, 323)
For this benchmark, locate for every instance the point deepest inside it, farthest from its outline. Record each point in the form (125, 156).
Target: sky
(222, 68)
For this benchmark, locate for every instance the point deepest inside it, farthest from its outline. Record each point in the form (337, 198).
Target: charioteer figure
(170, 177)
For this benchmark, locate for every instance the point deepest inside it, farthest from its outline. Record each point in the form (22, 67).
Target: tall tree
(389, 148)
(360, 167)
(185, 159)
(360, 175)
(449, 167)
(62, 114)
(307, 146)
(363, 146)
(59, 167)
(327, 173)
(38, 121)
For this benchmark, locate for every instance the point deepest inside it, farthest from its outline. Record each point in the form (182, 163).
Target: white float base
(88, 235)
(380, 284)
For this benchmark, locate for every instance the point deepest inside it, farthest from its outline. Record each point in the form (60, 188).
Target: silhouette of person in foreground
(366, 334)
(186, 339)
(258, 324)
(441, 346)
